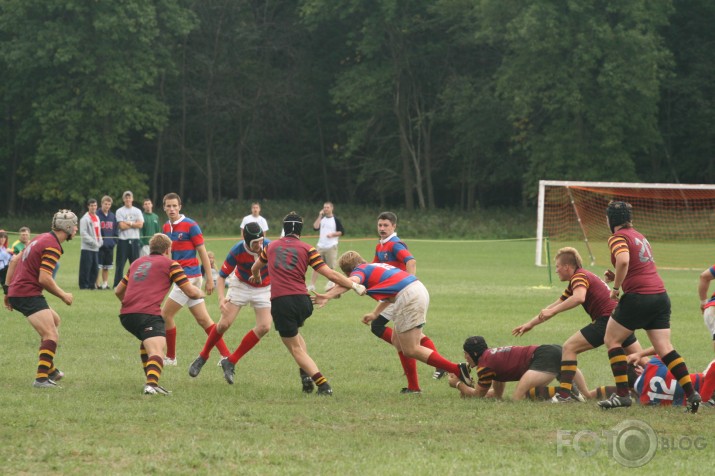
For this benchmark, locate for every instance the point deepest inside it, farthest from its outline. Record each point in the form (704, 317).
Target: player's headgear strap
(251, 232)
(475, 347)
(64, 220)
(293, 224)
(618, 214)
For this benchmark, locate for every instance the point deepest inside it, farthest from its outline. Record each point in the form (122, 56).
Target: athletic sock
(427, 342)
(387, 335)
(211, 340)
(319, 379)
(604, 392)
(144, 357)
(154, 366)
(568, 371)
(439, 362)
(409, 365)
(248, 342)
(171, 343)
(542, 393)
(46, 359)
(221, 345)
(619, 368)
(676, 366)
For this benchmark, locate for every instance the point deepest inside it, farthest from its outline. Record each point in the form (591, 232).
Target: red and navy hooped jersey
(598, 301)
(657, 386)
(185, 237)
(39, 256)
(393, 252)
(711, 301)
(642, 277)
(382, 280)
(239, 261)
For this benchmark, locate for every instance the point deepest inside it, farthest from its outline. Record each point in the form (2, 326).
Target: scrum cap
(293, 224)
(475, 347)
(618, 214)
(66, 221)
(252, 232)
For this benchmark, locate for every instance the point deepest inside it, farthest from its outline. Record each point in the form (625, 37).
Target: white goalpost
(676, 214)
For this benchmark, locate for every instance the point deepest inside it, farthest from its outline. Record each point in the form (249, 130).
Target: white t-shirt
(132, 214)
(260, 220)
(327, 225)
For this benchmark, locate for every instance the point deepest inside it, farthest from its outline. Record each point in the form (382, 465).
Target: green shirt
(150, 228)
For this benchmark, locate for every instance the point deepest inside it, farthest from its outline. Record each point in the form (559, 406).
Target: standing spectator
(187, 242)
(151, 225)
(409, 299)
(255, 216)
(29, 273)
(130, 221)
(141, 292)
(707, 306)
(5, 256)
(22, 241)
(90, 242)
(645, 305)
(241, 293)
(331, 229)
(108, 226)
(288, 259)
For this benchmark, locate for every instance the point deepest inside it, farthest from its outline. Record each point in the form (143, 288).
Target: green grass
(99, 423)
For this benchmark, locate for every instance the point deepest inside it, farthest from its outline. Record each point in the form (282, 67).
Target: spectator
(130, 221)
(255, 216)
(108, 226)
(331, 229)
(90, 242)
(151, 226)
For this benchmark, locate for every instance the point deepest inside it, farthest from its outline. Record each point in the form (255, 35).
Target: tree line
(416, 103)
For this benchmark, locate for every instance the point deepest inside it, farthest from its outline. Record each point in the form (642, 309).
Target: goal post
(680, 217)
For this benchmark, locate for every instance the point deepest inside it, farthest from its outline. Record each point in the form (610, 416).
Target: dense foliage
(419, 104)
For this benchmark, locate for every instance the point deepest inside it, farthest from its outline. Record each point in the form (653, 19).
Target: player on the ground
(29, 273)
(644, 305)
(409, 298)
(707, 305)
(141, 292)
(288, 259)
(241, 293)
(187, 242)
(588, 290)
(532, 366)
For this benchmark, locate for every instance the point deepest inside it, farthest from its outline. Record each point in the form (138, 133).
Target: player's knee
(222, 327)
(378, 326)
(262, 329)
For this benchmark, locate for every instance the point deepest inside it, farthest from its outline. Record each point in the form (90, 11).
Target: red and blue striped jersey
(393, 252)
(185, 237)
(239, 261)
(657, 386)
(382, 280)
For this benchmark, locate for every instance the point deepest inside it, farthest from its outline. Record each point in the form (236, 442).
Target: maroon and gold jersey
(288, 259)
(642, 277)
(148, 280)
(504, 364)
(598, 301)
(40, 256)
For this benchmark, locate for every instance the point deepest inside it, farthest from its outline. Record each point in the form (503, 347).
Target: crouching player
(141, 292)
(241, 292)
(409, 301)
(532, 367)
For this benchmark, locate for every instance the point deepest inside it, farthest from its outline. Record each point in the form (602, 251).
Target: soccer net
(678, 220)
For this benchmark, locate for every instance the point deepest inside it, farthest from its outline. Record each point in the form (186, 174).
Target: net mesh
(679, 223)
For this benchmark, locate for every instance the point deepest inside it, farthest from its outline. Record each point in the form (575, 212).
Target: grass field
(99, 423)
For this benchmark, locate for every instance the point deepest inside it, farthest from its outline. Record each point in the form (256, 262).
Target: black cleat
(325, 390)
(693, 403)
(229, 369)
(464, 374)
(614, 401)
(576, 394)
(439, 373)
(56, 375)
(196, 365)
(308, 385)
(409, 391)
